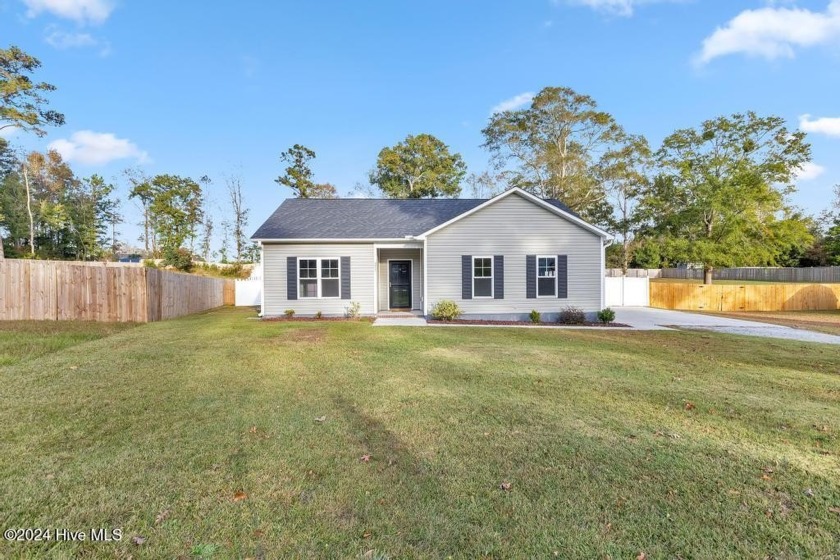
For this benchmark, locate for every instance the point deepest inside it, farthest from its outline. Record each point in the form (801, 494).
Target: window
(329, 278)
(319, 278)
(546, 276)
(482, 277)
(308, 278)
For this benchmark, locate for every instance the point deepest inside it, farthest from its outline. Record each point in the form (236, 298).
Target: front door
(399, 284)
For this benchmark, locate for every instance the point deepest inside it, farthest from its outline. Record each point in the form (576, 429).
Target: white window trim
(318, 278)
(537, 272)
(492, 278)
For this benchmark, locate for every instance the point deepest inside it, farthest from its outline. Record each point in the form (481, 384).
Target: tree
(623, 172)
(551, 147)
(91, 212)
(298, 175)
(49, 187)
(323, 190)
(418, 167)
(722, 198)
(240, 216)
(176, 211)
(831, 239)
(22, 102)
(141, 189)
(485, 184)
(206, 237)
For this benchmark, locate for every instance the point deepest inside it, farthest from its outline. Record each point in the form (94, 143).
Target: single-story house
(497, 258)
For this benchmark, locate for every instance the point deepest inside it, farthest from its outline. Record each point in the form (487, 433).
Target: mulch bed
(523, 323)
(316, 320)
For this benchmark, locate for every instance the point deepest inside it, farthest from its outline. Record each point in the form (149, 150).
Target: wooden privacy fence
(752, 297)
(816, 274)
(57, 290)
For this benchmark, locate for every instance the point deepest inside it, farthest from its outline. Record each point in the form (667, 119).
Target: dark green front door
(399, 282)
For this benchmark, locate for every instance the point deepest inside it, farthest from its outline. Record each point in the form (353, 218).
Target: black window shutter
(291, 278)
(530, 276)
(499, 277)
(562, 276)
(345, 277)
(466, 276)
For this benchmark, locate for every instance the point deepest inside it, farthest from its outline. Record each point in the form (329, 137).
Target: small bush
(318, 314)
(446, 310)
(353, 310)
(289, 313)
(181, 259)
(571, 316)
(150, 263)
(535, 316)
(606, 315)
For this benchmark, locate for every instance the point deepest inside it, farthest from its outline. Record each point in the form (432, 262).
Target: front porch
(399, 281)
(400, 319)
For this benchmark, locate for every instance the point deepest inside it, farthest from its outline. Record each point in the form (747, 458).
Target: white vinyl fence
(249, 292)
(625, 291)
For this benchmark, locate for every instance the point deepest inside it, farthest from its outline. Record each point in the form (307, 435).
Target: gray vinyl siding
(362, 266)
(414, 255)
(515, 227)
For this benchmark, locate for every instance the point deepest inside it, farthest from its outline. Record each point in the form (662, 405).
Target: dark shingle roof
(357, 218)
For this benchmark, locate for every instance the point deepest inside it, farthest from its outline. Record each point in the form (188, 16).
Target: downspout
(375, 280)
(262, 279)
(425, 278)
(606, 243)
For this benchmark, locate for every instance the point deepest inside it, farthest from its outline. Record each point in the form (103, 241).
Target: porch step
(406, 320)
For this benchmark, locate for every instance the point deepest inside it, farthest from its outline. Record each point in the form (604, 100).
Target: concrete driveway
(648, 318)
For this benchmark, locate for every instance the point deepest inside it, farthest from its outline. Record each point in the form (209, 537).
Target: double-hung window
(483, 277)
(319, 278)
(546, 276)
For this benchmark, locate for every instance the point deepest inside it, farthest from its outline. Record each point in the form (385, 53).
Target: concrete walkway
(407, 321)
(647, 318)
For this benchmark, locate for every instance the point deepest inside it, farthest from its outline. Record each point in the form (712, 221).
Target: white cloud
(616, 7)
(64, 40)
(96, 148)
(825, 125)
(81, 11)
(773, 32)
(809, 171)
(8, 131)
(514, 102)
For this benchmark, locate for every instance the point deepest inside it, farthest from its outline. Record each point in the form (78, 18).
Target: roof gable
(554, 206)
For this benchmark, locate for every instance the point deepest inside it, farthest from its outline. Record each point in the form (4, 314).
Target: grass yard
(27, 340)
(219, 436)
(820, 321)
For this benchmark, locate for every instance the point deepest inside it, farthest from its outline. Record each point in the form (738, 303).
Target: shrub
(571, 316)
(150, 263)
(289, 313)
(606, 315)
(181, 259)
(534, 316)
(318, 314)
(353, 310)
(235, 270)
(446, 310)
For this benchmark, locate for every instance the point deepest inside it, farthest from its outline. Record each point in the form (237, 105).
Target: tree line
(48, 212)
(716, 195)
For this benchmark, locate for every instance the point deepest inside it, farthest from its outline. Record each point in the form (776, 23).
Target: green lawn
(26, 340)
(202, 436)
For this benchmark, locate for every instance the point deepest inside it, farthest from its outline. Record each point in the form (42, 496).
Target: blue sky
(222, 88)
